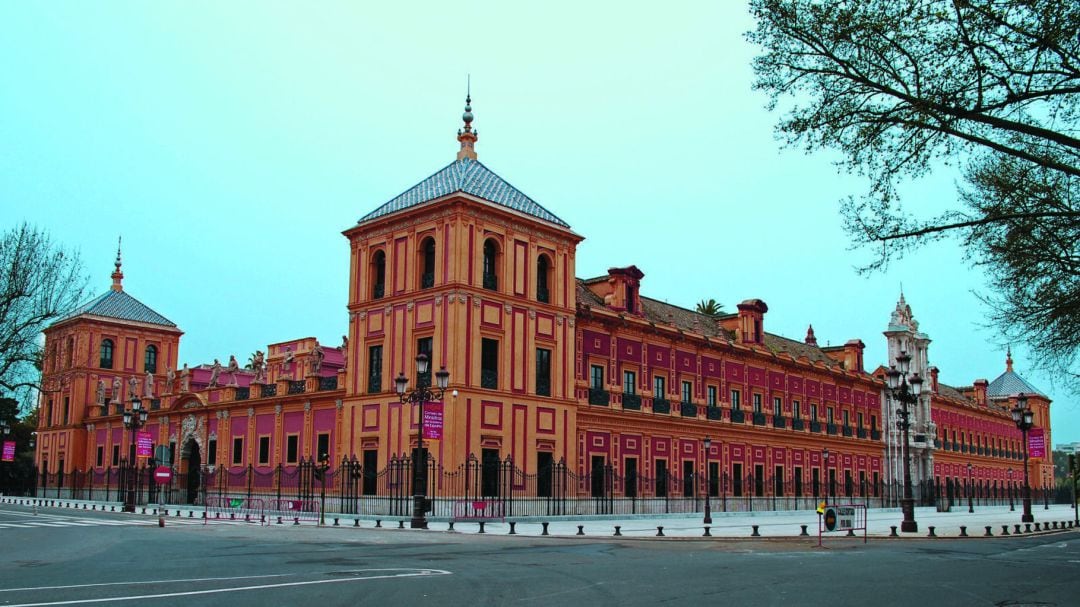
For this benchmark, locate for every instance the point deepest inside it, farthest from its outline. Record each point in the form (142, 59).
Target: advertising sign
(143, 444)
(9, 451)
(1036, 443)
(433, 420)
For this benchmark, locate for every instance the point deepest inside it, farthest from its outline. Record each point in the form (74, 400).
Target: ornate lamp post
(5, 429)
(422, 394)
(1012, 507)
(971, 486)
(708, 482)
(1023, 416)
(134, 418)
(907, 392)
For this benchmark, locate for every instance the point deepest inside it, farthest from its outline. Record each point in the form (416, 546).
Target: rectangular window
(237, 450)
(116, 455)
(759, 480)
(292, 448)
(211, 452)
(859, 418)
(322, 442)
(543, 372)
(371, 471)
(714, 479)
(829, 414)
(873, 422)
(545, 473)
(778, 481)
(489, 474)
(798, 481)
(736, 400)
(596, 381)
(813, 412)
(796, 413)
(661, 478)
(778, 406)
(815, 481)
(599, 480)
(423, 346)
(629, 382)
(630, 470)
(757, 403)
(489, 363)
(711, 391)
(374, 374)
(736, 480)
(100, 456)
(687, 391)
(659, 386)
(689, 479)
(847, 417)
(67, 409)
(264, 450)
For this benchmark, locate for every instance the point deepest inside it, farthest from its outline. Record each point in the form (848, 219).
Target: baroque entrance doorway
(193, 473)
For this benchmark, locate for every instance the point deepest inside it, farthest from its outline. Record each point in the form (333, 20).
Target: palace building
(547, 371)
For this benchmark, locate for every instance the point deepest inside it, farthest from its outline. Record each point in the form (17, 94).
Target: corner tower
(467, 269)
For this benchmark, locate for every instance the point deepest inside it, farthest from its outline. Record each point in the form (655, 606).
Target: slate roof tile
(121, 306)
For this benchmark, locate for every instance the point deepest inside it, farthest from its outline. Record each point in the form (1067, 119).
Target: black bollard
(618, 530)
(1016, 530)
(931, 534)
(804, 533)
(356, 523)
(378, 524)
(401, 524)
(1038, 526)
(512, 532)
(706, 534)
(755, 533)
(659, 532)
(481, 526)
(451, 526)
(335, 521)
(580, 529)
(850, 533)
(988, 533)
(545, 529)
(892, 533)
(963, 531)
(296, 520)
(1027, 527)
(1004, 530)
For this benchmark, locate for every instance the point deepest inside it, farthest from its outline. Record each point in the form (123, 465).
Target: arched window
(491, 260)
(150, 360)
(70, 356)
(378, 272)
(427, 263)
(542, 291)
(106, 354)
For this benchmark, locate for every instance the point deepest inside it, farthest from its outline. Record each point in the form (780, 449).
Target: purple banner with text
(433, 420)
(143, 444)
(1036, 443)
(9, 451)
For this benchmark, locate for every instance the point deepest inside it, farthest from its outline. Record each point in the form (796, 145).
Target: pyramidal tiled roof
(1010, 384)
(121, 306)
(470, 177)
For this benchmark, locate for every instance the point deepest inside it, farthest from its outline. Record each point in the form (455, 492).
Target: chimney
(933, 380)
(853, 355)
(624, 284)
(980, 392)
(752, 321)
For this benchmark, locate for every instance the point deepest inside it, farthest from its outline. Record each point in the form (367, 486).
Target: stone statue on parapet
(116, 390)
(258, 365)
(215, 373)
(101, 392)
(170, 380)
(185, 379)
(233, 369)
(316, 359)
(148, 386)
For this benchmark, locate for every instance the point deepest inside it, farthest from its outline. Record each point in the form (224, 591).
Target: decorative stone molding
(508, 308)
(277, 409)
(410, 305)
(339, 403)
(476, 302)
(532, 313)
(438, 300)
(559, 320)
(164, 419)
(461, 298)
(251, 411)
(387, 310)
(307, 405)
(361, 315)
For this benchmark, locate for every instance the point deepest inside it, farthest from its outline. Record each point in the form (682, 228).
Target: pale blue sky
(231, 143)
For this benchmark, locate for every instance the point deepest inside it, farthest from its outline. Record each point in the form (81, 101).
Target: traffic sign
(162, 474)
(830, 519)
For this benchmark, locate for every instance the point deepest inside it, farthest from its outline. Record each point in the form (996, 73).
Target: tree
(40, 282)
(710, 307)
(904, 87)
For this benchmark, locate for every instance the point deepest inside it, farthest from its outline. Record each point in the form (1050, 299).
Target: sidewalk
(769, 524)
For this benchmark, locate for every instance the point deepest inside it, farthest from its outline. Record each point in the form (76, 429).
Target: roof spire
(467, 136)
(1008, 359)
(811, 339)
(117, 275)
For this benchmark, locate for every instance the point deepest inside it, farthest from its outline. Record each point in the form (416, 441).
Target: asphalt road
(63, 557)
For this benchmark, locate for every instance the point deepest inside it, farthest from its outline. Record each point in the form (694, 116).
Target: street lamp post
(827, 480)
(971, 487)
(708, 482)
(1023, 417)
(5, 429)
(134, 419)
(320, 469)
(1012, 507)
(422, 394)
(907, 392)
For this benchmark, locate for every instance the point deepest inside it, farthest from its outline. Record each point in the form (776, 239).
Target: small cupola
(752, 321)
(624, 284)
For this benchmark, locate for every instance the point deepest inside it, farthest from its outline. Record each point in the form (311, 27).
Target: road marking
(402, 573)
(185, 580)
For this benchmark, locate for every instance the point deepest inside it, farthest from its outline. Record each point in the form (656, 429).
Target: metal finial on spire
(1008, 359)
(467, 136)
(117, 275)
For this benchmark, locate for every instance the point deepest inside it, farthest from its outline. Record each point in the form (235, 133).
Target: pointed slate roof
(468, 176)
(1010, 384)
(120, 306)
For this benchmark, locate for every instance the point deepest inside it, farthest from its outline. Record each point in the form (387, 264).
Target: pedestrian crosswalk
(25, 520)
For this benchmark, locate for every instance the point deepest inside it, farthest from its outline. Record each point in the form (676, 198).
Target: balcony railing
(631, 401)
(759, 418)
(599, 396)
(243, 393)
(738, 416)
(875, 434)
(713, 413)
(268, 390)
(328, 383)
(427, 280)
(830, 429)
(543, 386)
(491, 282)
(297, 387)
(688, 409)
(846, 430)
(543, 295)
(661, 405)
(861, 432)
(797, 424)
(489, 378)
(155, 404)
(374, 384)
(378, 291)
(815, 426)
(778, 421)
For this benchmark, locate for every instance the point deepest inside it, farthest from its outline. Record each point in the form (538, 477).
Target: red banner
(9, 451)
(433, 420)
(1036, 443)
(143, 444)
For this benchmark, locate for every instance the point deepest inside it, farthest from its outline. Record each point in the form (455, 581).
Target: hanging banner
(1036, 443)
(9, 451)
(143, 444)
(433, 420)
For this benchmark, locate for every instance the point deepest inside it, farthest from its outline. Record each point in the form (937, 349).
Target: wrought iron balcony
(759, 418)
(738, 416)
(268, 390)
(713, 413)
(328, 383)
(631, 401)
(242, 394)
(379, 291)
(779, 421)
(599, 397)
(830, 429)
(155, 404)
(297, 387)
(797, 424)
(543, 295)
(489, 378)
(875, 434)
(688, 409)
(374, 384)
(846, 430)
(963, 448)
(427, 280)
(661, 405)
(491, 282)
(543, 386)
(860, 432)
(815, 426)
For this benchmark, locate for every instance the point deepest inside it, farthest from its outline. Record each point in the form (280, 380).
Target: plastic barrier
(225, 507)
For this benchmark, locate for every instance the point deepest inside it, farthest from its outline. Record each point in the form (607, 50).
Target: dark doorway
(194, 468)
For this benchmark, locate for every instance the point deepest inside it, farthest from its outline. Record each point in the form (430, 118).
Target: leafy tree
(710, 307)
(39, 283)
(903, 87)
